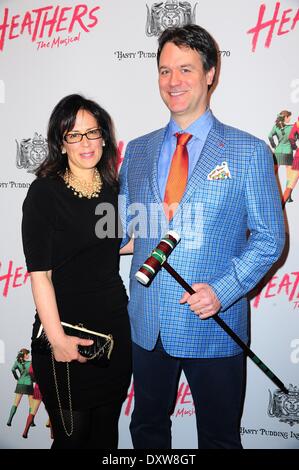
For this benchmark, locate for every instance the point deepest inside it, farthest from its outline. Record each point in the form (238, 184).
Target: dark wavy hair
(21, 355)
(280, 120)
(195, 37)
(62, 120)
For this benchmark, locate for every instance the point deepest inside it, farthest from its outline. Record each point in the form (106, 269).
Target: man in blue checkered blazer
(231, 227)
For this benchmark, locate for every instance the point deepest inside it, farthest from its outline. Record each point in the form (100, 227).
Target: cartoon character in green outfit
(20, 370)
(279, 141)
(293, 137)
(283, 154)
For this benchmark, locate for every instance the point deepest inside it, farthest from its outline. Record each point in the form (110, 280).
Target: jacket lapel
(153, 152)
(212, 155)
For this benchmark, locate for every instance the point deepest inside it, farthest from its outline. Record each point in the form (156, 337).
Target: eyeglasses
(75, 137)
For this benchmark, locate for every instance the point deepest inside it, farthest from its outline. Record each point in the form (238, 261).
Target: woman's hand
(66, 349)
(127, 249)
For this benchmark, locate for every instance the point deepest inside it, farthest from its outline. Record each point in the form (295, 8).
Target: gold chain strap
(70, 432)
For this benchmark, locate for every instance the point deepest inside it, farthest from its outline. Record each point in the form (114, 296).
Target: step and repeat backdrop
(106, 50)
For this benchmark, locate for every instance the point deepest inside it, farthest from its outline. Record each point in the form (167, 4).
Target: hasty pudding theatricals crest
(31, 152)
(166, 14)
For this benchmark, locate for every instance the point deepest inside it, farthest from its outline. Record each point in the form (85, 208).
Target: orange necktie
(178, 174)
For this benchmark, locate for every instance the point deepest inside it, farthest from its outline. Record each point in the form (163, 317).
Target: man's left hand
(204, 302)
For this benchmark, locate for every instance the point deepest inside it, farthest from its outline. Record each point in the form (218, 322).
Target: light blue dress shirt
(199, 130)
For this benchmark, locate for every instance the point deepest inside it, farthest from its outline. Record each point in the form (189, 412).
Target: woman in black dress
(70, 238)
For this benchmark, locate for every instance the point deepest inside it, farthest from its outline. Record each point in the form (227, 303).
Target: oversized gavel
(158, 259)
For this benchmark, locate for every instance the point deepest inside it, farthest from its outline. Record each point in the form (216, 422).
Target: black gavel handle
(230, 332)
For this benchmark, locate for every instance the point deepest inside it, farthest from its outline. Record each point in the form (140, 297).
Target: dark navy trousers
(217, 387)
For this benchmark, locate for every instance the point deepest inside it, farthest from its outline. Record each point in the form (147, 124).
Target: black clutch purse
(99, 352)
(101, 348)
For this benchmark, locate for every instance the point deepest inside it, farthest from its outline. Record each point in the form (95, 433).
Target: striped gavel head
(158, 256)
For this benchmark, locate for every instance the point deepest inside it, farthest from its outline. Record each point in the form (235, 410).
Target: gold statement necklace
(82, 188)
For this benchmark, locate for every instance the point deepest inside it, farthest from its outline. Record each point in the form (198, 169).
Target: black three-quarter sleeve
(38, 225)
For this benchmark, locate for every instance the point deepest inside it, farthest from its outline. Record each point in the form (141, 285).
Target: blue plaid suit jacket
(214, 222)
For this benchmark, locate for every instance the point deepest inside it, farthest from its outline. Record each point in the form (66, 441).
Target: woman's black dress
(60, 234)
